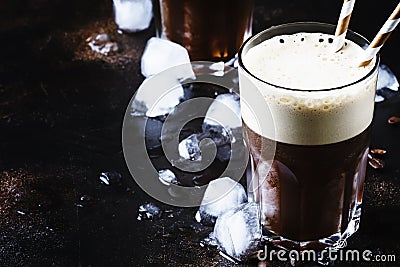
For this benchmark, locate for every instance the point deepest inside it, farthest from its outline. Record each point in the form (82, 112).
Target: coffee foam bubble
(310, 116)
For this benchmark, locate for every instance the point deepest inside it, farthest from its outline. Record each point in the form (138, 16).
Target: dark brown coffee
(209, 29)
(310, 191)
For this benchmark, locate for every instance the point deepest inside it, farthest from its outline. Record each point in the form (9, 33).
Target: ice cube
(165, 64)
(217, 133)
(160, 54)
(222, 194)
(167, 177)
(157, 96)
(189, 148)
(238, 231)
(222, 116)
(133, 15)
(148, 211)
(224, 111)
(222, 123)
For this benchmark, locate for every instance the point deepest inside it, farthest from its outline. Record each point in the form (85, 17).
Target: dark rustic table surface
(61, 112)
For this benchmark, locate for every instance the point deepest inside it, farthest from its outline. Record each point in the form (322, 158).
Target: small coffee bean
(394, 120)
(378, 151)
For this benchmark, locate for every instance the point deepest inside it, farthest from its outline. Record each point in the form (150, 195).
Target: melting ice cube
(160, 54)
(238, 231)
(189, 148)
(222, 116)
(222, 194)
(157, 96)
(165, 64)
(133, 15)
(222, 123)
(224, 112)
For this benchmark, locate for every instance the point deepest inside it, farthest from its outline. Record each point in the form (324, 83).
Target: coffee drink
(209, 29)
(308, 192)
(306, 115)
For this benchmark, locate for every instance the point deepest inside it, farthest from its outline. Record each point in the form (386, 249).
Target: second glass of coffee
(211, 30)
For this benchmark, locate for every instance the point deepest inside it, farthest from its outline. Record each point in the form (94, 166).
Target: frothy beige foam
(307, 116)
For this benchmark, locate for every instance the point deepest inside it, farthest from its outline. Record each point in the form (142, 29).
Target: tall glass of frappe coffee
(306, 114)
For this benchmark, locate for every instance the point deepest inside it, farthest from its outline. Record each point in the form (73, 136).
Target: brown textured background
(61, 109)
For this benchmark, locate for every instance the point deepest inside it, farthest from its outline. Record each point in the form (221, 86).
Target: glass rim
(321, 24)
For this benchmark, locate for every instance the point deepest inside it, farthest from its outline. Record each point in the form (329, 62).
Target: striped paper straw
(381, 37)
(343, 24)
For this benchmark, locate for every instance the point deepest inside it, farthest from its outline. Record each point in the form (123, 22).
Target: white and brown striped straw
(381, 37)
(343, 24)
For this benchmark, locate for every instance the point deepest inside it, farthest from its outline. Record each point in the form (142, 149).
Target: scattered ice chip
(101, 37)
(160, 54)
(221, 195)
(167, 177)
(148, 211)
(102, 44)
(109, 178)
(238, 231)
(133, 15)
(209, 241)
(189, 148)
(86, 200)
